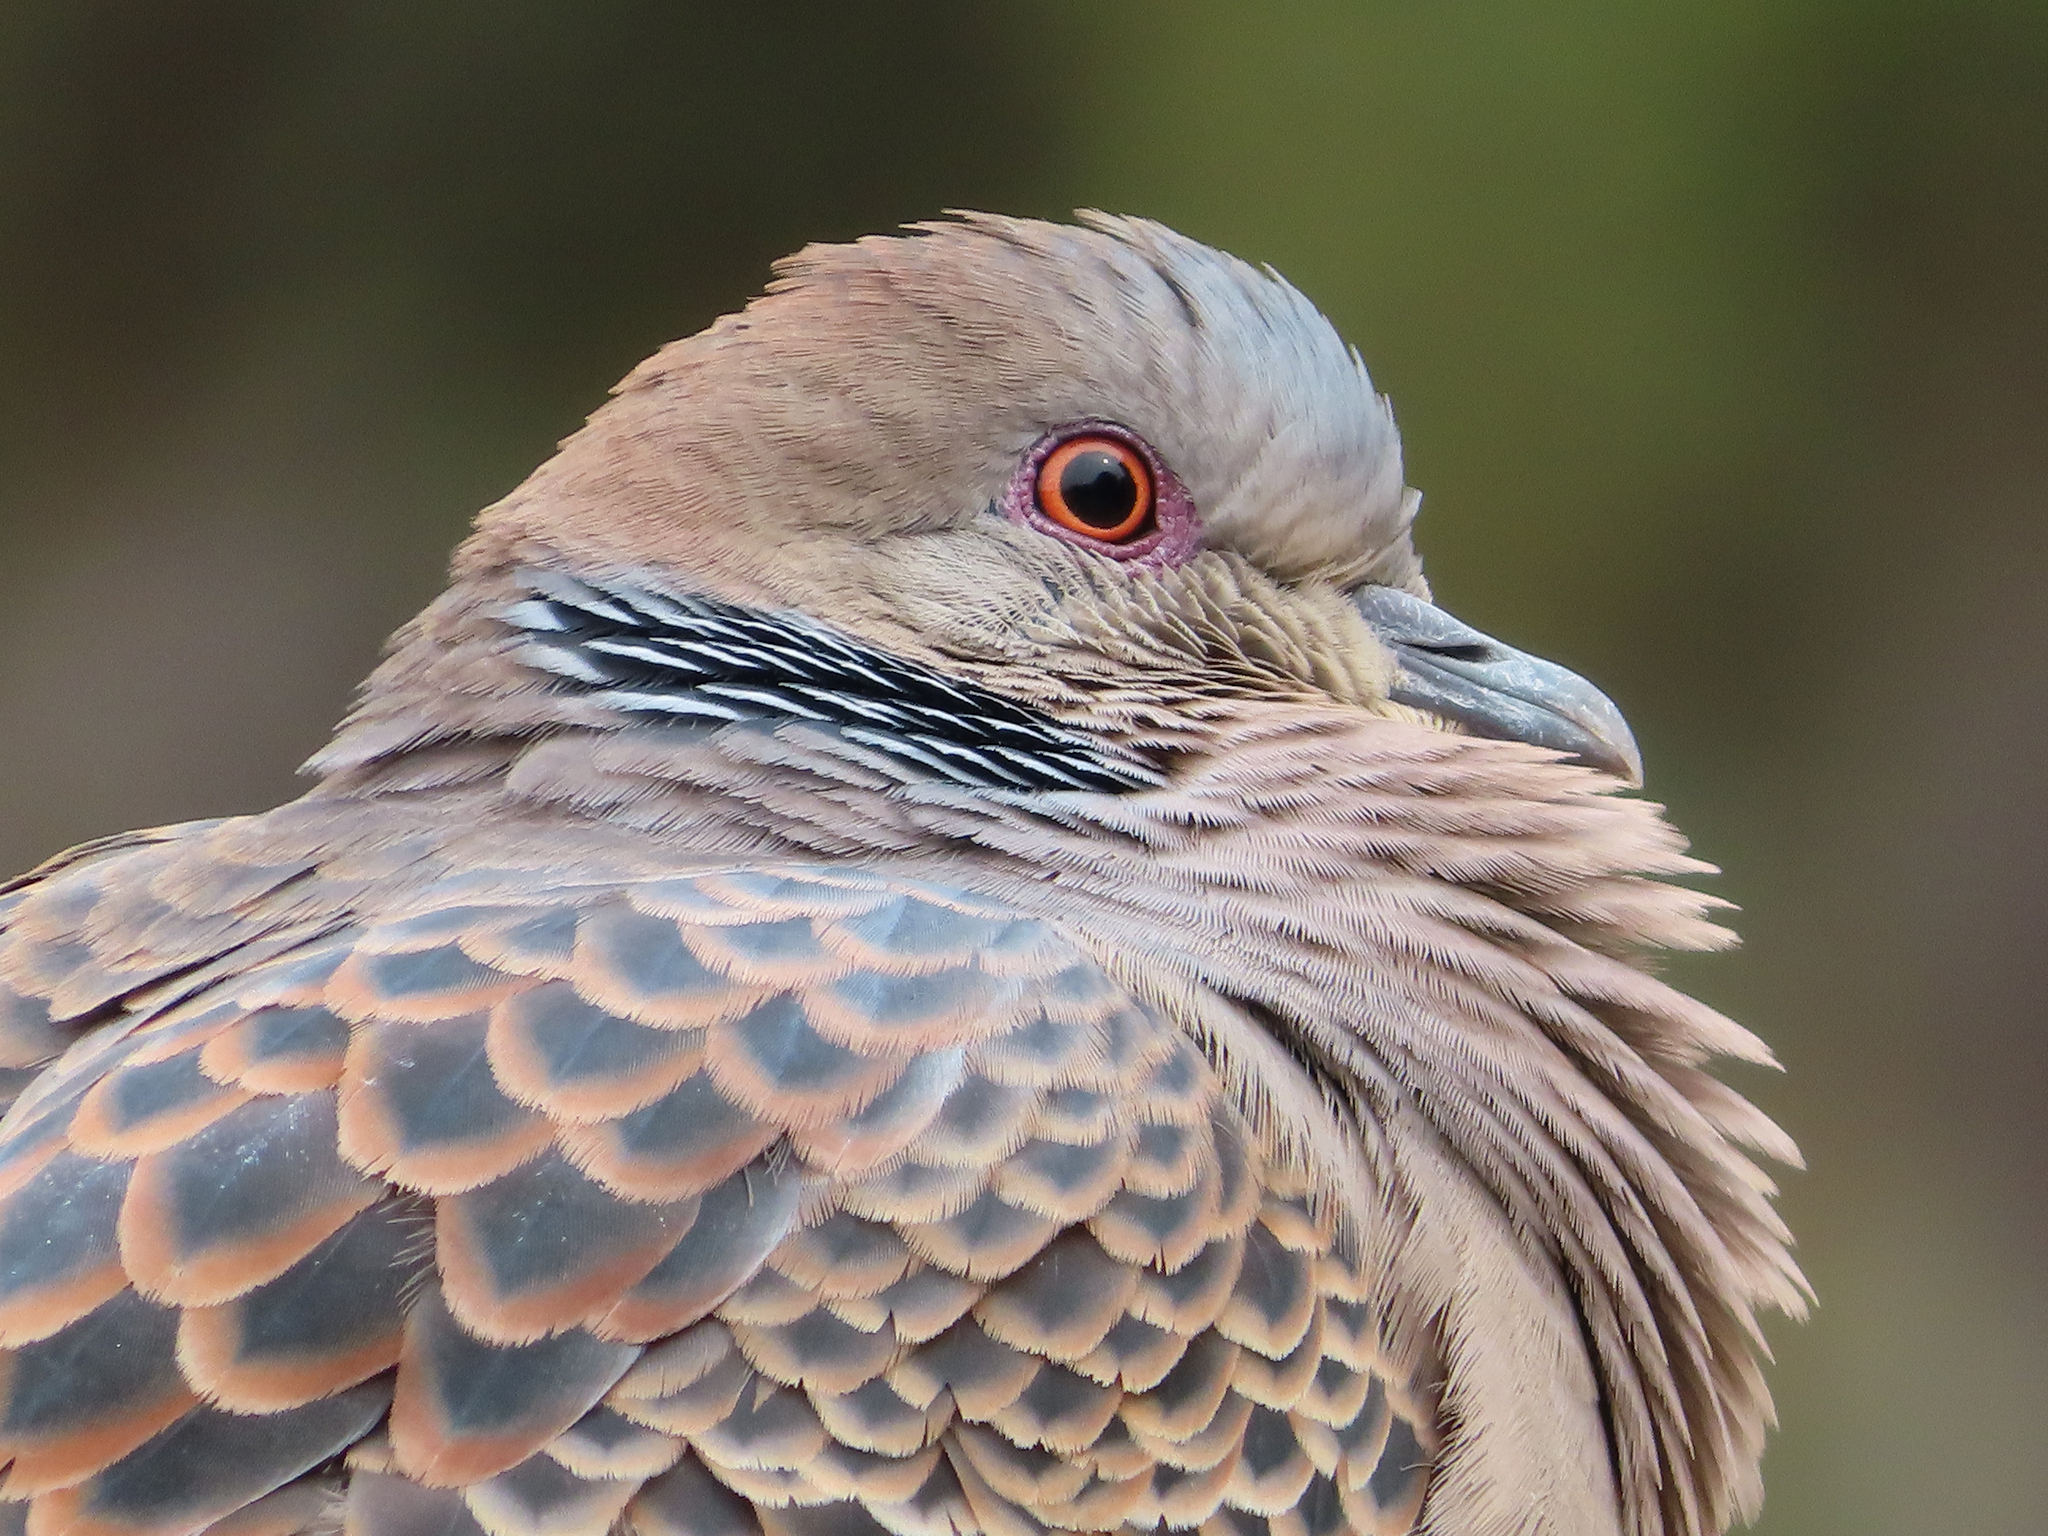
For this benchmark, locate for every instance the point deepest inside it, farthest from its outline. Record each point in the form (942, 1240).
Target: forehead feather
(1240, 383)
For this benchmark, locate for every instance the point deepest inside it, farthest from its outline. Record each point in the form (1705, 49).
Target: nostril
(1469, 651)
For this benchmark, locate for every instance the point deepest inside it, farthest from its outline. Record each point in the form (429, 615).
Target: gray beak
(1453, 671)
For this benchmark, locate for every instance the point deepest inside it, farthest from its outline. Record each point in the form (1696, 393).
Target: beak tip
(1627, 766)
(1610, 746)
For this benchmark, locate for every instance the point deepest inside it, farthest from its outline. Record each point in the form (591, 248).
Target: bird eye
(1098, 486)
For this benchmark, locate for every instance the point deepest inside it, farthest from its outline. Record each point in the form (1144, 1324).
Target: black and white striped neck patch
(696, 659)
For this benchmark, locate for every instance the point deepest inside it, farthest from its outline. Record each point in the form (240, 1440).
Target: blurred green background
(1719, 335)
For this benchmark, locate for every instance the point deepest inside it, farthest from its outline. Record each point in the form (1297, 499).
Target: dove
(934, 935)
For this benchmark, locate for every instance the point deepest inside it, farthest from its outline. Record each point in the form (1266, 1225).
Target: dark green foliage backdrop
(1718, 334)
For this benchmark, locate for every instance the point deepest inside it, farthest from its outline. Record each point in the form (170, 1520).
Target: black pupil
(1098, 488)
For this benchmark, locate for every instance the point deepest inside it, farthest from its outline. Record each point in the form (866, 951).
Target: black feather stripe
(697, 659)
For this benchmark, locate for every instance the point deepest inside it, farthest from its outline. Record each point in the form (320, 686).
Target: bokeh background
(1719, 334)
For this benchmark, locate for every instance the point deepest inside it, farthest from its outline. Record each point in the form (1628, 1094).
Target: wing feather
(778, 1201)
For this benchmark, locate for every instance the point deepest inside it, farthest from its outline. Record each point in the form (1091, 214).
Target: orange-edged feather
(238, 1202)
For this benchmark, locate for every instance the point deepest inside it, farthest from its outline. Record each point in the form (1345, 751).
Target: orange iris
(1098, 486)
